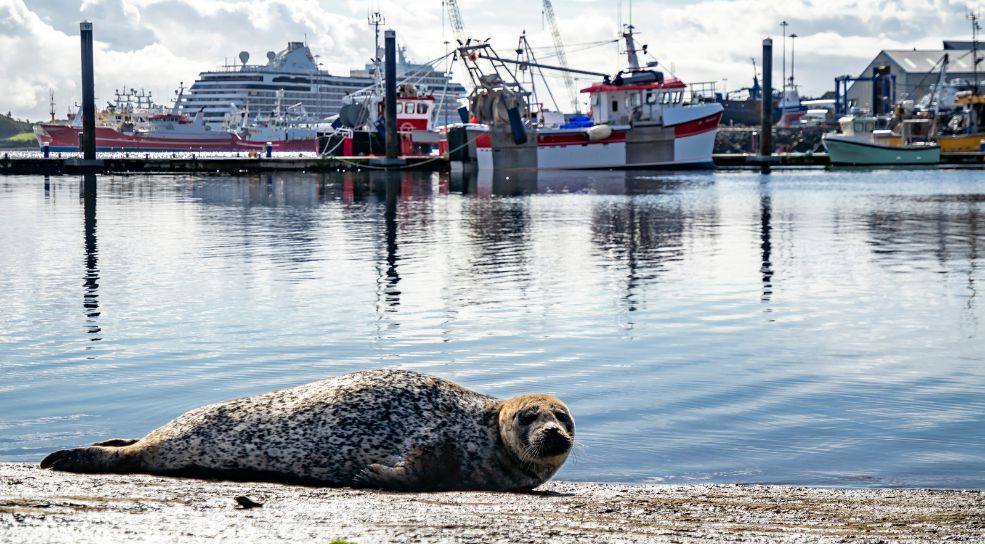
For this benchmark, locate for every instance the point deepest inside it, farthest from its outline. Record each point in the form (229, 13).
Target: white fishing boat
(638, 119)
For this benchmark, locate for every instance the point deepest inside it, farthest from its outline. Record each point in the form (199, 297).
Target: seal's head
(538, 430)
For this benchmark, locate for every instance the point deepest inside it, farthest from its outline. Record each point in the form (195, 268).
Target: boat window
(596, 100)
(651, 97)
(615, 106)
(422, 108)
(409, 107)
(636, 99)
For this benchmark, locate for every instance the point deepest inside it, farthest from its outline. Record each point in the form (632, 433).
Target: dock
(237, 165)
(206, 165)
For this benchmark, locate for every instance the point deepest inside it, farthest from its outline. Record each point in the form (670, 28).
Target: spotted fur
(391, 429)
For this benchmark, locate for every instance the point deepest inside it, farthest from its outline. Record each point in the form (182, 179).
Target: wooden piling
(392, 138)
(766, 130)
(88, 94)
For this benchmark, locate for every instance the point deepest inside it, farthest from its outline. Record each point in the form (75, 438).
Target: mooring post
(392, 139)
(766, 130)
(88, 94)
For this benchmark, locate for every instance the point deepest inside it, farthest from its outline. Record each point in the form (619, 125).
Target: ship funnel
(244, 57)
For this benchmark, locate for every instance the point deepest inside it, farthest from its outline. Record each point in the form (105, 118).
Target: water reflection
(388, 293)
(863, 367)
(90, 297)
(766, 239)
(903, 232)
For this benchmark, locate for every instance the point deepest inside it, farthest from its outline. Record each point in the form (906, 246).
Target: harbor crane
(455, 18)
(569, 81)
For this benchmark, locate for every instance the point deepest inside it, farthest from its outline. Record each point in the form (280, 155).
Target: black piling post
(766, 130)
(88, 94)
(392, 139)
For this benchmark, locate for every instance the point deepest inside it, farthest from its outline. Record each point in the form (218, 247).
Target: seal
(388, 429)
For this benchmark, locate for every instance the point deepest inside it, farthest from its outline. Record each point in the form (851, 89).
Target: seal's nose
(554, 442)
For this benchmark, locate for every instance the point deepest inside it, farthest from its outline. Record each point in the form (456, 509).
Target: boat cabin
(414, 113)
(639, 95)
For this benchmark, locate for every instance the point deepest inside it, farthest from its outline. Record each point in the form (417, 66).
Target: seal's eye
(526, 418)
(562, 417)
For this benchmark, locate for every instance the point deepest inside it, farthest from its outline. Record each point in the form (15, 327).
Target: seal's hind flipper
(94, 459)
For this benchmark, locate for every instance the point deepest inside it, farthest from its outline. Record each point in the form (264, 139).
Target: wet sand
(44, 506)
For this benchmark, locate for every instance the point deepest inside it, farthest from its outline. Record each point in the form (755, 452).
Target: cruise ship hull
(62, 139)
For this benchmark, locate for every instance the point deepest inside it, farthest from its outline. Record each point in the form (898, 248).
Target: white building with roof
(915, 72)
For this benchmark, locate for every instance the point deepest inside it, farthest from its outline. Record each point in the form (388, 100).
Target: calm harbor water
(815, 327)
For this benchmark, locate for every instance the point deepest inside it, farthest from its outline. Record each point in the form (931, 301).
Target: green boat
(862, 144)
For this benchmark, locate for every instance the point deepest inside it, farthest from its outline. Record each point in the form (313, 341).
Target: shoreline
(42, 505)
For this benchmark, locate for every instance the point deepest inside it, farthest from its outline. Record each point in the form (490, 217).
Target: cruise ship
(295, 71)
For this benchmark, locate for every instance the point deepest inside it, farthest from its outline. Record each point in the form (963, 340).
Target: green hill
(12, 127)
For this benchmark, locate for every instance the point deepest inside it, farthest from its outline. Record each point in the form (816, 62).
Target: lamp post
(784, 24)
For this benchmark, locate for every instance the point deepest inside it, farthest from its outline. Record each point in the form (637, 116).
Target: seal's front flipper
(422, 469)
(384, 477)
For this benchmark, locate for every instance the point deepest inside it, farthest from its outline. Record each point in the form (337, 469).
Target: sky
(155, 44)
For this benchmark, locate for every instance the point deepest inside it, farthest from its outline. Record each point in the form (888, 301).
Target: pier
(14, 166)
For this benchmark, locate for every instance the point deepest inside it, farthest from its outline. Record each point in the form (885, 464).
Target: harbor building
(912, 72)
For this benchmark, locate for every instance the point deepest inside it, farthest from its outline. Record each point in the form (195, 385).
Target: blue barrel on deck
(269, 149)
(516, 126)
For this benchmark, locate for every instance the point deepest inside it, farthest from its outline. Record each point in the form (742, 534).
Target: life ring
(406, 126)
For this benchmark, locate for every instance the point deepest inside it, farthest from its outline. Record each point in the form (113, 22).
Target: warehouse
(909, 74)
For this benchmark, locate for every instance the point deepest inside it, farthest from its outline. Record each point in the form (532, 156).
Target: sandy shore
(43, 506)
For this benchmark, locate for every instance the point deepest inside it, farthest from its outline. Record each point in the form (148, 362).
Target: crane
(569, 81)
(455, 18)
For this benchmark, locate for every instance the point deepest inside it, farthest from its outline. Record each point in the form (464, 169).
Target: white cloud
(157, 43)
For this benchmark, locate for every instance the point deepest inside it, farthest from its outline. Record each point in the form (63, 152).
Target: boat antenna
(975, 28)
(376, 19)
(51, 103)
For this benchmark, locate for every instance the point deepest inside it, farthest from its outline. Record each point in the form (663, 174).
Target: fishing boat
(360, 130)
(868, 141)
(965, 129)
(142, 131)
(638, 119)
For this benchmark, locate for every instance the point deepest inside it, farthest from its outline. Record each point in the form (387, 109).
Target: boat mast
(793, 56)
(375, 20)
(634, 60)
(975, 27)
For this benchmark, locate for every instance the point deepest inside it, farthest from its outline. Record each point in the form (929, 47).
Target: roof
(959, 45)
(922, 61)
